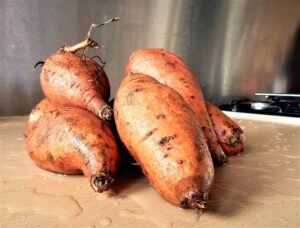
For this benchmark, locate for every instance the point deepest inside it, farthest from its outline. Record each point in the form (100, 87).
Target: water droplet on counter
(116, 203)
(127, 213)
(105, 221)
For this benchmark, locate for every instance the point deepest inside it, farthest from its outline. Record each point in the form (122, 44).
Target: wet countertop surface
(261, 187)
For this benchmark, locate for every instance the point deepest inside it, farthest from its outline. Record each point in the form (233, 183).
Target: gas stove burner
(260, 105)
(277, 104)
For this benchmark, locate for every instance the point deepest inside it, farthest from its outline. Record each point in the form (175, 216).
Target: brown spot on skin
(169, 148)
(102, 126)
(163, 54)
(223, 133)
(50, 158)
(61, 164)
(138, 90)
(106, 145)
(140, 81)
(100, 136)
(179, 162)
(160, 116)
(166, 155)
(186, 86)
(203, 128)
(87, 163)
(172, 64)
(150, 133)
(192, 97)
(166, 139)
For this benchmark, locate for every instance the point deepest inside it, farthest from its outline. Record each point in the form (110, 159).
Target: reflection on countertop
(261, 187)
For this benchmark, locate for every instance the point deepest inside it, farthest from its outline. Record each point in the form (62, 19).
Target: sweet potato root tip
(194, 201)
(222, 161)
(105, 113)
(101, 182)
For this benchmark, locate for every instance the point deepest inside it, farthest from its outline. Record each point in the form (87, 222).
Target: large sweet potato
(171, 70)
(71, 140)
(68, 79)
(165, 138)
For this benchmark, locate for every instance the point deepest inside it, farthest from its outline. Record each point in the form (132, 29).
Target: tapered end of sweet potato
(221, 160)
(105, 113)
(101, 182)
(194, 201)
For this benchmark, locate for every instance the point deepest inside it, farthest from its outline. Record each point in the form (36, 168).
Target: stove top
(274, 104)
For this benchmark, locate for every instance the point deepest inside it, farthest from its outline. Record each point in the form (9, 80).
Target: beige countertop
(261, 187)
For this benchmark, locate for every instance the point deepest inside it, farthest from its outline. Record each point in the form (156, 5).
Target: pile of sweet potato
(160, 115)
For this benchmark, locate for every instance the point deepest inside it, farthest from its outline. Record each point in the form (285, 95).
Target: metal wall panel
(235, 47)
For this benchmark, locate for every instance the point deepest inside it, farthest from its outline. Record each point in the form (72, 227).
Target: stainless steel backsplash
(235, 47)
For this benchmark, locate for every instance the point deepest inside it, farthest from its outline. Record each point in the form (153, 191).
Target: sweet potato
(231, 137)
(67, 79)
(71, 140)
(169, 69)
(163, 135)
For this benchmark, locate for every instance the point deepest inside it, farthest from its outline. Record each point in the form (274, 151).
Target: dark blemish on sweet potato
(209, 114)
(166, 139)
(172, 64)
(163, 54)
(203, 128)
(150, 133)
(140, 81)
(87, 163)
(106, 145)
(223, 132)
(192, 97)
(186, 86)
(50, 158)
(61, 164)
(160, 116)
(138, 90)
(166, 155)
(169, 148)
(102, 125)
(100, 136)
(179, 162)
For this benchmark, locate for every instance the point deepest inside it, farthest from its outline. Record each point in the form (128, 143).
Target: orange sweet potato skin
(171, 70)
(71, 140)
(66, 79)
(231, 137)
(165, 138)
